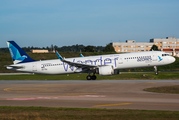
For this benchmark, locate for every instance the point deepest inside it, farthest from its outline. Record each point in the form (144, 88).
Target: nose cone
(172, 59)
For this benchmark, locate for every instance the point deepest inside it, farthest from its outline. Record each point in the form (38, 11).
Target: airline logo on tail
(17, 54)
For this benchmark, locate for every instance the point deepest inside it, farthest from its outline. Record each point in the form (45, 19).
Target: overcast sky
(40, 23)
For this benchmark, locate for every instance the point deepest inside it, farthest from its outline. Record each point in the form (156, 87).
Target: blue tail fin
(17, 54)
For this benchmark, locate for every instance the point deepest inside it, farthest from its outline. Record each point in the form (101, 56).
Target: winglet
(81, 55)
(59, 56)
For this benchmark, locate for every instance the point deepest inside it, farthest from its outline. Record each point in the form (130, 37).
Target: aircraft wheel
(93, 77)
(156, 73)
(88, 77)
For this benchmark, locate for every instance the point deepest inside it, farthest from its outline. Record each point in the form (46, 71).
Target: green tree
(109, 48)
(154, 47)
(90, 49)
(55, 47)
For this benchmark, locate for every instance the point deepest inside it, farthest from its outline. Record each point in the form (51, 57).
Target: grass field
(44, 113)
(164, 89)
(122, 76)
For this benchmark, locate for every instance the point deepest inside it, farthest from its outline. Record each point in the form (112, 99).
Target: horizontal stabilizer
(14, 67)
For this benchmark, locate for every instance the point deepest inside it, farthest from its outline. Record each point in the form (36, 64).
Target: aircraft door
(34, 67)
(154, 56)
(120, 61)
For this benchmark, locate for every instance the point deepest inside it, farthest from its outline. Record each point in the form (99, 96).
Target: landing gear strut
(89, 77)
(156, 72)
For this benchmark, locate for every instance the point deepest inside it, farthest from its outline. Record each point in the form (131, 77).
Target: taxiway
(109, 94)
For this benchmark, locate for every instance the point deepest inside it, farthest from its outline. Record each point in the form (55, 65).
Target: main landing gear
(89, 77)
(156, 72)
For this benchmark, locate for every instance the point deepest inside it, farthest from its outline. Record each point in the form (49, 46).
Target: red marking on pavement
(39, 98)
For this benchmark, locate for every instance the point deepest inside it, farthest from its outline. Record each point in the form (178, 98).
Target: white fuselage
(118, 61)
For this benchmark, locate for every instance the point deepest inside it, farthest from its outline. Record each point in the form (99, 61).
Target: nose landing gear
(156, 72)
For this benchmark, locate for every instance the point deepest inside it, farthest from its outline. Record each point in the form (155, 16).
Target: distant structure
(169, 45)
(42, 51)
(39, 51)
(131, 46)
(52, 47)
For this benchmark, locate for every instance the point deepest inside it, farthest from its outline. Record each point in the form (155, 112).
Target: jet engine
(105, 70)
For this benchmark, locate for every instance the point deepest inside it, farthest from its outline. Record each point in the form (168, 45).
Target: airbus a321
(101, 64)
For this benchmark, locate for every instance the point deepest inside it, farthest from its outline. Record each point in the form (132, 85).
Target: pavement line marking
(57, 97)
(79, 93)
(51, 85)
(6, 89)
(111, 104)
(24, 90)
(171, 104)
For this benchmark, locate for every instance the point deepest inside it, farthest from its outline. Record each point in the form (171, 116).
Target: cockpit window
(165, 54)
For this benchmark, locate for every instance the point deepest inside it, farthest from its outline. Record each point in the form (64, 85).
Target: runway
(109, 94)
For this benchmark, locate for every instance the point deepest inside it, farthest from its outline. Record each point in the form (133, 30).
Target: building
(131, 46)
(40, 51)
(169, 45)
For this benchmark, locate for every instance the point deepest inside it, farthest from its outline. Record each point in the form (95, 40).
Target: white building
(169, 44)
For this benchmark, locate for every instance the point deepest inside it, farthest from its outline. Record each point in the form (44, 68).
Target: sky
(40, 23)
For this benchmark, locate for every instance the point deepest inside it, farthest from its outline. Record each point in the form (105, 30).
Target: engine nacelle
(105, 70)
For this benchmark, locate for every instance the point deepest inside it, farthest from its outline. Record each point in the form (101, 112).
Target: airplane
(100, 64)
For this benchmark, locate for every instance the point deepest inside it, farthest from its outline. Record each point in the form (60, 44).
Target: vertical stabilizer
(17, 54)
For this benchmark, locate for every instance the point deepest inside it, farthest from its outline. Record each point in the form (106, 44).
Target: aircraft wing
(79, 65)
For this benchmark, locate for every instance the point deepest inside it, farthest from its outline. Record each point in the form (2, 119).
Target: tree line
(73, 48)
